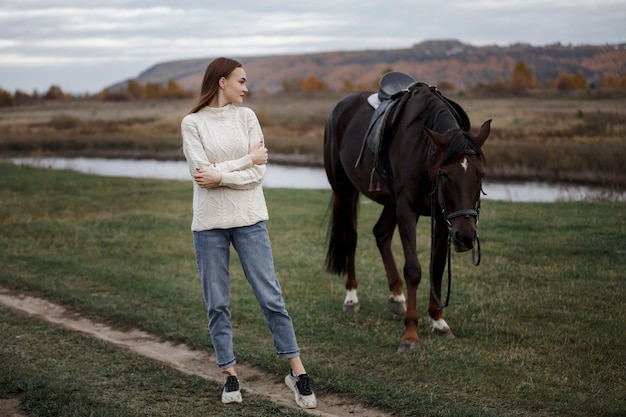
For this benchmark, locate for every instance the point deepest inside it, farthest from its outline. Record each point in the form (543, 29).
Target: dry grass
(576, 138)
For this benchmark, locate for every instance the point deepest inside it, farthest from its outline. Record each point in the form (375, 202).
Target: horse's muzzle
(463, 241)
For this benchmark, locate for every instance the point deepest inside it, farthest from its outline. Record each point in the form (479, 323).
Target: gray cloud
(86, 47)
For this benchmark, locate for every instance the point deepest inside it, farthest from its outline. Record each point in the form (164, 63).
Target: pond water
(283, 176)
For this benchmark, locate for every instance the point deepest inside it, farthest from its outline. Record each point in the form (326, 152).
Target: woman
(224, 148)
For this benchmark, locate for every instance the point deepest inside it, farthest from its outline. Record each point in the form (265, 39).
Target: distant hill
(459, 64)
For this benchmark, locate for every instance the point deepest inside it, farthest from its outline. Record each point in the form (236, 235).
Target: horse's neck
(442, 120)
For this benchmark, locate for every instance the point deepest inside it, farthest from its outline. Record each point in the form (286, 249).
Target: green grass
(62, 373)
(540, 323)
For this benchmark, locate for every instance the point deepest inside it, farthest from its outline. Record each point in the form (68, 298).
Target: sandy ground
(10, 408)
(179, 357)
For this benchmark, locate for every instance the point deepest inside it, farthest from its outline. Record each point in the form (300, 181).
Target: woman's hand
(258, 154)
(207, 178)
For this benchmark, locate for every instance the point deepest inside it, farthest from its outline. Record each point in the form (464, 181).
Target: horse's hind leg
(383, 231)
(342, 242)
(350, 209)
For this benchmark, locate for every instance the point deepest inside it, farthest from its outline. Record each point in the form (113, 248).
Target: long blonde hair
(218, 68)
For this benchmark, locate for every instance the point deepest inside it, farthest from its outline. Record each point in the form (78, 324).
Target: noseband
(460, 213)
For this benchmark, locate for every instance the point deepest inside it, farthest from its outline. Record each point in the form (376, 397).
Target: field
(578, 138)
(540, 323)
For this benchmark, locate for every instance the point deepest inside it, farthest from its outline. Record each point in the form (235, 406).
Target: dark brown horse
(428, 164)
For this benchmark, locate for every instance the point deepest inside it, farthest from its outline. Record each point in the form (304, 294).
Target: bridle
(438, 190)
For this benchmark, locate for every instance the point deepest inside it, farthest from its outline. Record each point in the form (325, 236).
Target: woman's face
(234, 86)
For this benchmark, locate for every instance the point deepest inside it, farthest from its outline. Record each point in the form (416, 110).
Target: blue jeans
(252, 244)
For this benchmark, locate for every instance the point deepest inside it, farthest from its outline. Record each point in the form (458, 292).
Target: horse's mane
(460, 142)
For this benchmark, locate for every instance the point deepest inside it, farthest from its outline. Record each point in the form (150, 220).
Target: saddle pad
(373, 100)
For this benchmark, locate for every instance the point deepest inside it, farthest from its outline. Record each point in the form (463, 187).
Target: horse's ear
(438, 139)
(483, 133)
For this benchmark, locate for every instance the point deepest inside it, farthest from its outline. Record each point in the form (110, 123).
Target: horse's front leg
(383, 232)
(412, 276)
(439, 256)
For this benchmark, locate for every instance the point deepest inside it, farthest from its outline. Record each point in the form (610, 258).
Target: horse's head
(457, 176)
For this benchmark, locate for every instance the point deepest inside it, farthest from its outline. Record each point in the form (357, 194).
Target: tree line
(521, 80)
(133, 90)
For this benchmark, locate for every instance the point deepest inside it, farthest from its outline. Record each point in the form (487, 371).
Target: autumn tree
(173, 90)
(149, 91)
(108, 95)
(292, 85)
(580, 83)
(134, 88)
(611, 81)
(6, 99)
(445, 86)
(152, 91)
(313, 85)
(54, 93)
(566, 81)
(521, 78)
(494, 87)
(347, 86)
(21, 97)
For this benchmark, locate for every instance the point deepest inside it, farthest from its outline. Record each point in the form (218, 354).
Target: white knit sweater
(221, 139)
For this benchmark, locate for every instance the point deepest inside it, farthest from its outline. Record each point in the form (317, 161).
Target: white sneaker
(231, 393)
(301, 387)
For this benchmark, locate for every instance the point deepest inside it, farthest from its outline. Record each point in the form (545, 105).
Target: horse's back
(349, 116)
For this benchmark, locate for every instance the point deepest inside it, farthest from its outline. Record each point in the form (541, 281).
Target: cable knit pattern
(221, 139)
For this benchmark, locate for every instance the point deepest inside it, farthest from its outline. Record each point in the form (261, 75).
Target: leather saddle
(393, 85)
(394, 90)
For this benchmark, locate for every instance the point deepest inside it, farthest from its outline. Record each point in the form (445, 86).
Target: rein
(442, 203)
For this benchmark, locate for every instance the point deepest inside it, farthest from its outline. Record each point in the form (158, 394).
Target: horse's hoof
(353, 307)
(447, 333)
(408, 346)
(396, 307)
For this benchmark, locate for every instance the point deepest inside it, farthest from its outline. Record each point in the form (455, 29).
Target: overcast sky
(86, 45)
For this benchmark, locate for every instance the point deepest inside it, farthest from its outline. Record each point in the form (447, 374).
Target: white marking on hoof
(351, 303)
(397, 304)
(441, 328)
(397, 298)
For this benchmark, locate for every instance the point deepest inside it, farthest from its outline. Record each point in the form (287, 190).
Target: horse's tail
(342, 234)
(341, 237)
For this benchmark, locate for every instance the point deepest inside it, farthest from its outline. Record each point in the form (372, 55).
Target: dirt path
(179, 357)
